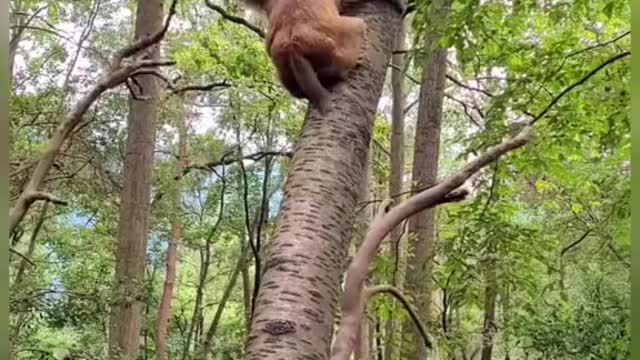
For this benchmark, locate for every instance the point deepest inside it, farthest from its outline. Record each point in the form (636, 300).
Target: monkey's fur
(312, 46)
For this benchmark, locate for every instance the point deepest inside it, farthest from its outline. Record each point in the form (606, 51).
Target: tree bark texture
(176, 236)
(421, 227)
(299, 292)
(397, 173)
(126, 310)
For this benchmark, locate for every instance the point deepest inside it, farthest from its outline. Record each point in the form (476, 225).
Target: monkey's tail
(309, 83)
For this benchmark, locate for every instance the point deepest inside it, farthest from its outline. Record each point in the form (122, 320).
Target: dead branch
(353, 305)
(395, 292)
(207, 87)
(116, 74)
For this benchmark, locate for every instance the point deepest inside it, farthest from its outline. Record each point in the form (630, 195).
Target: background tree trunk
(176, 236)
(294, 314)
(126, 311)
(421, 227)
(397, 174)
(363, 219)
(491, 292)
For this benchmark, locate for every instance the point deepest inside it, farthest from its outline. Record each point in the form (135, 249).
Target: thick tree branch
(353, 306)
(235, 19)
(113, 76)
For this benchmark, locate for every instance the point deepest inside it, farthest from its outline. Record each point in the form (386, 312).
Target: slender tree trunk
(126, 311)
(506, 320)
(22, 267)
(363, 347)
(491, 291)
(208, 339)
(298, 295)
(396, 178)
(421, 227)
(172, 251)
(205, 260)
(363, 219)
(246, 292)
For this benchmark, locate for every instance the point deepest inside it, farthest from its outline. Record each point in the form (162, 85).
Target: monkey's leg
(330, 75)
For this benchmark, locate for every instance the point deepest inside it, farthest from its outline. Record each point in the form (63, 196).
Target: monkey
(312, 46)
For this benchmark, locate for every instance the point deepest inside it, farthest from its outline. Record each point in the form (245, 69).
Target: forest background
(534, 265)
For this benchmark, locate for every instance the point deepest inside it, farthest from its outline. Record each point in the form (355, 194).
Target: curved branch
(576, 84)
(395, 292)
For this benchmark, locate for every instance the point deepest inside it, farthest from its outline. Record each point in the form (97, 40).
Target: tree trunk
(205, 260)
(208, 339)
(246, 292)
(363, 219)
(172, 251)
(421, 227)
(126, 311)
(397, 173)
(294, 314)
(506, 321)
(491, 291)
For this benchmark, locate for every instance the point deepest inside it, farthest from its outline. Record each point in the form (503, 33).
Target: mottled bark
(491, 292)
(126, 310)
(421, 227)
(176, 236)
(298, 295)
(395, 180)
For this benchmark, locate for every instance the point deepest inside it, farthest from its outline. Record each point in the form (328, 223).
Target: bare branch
(235, 19)
(207, 87)
(577, 83)
(353, 305)
(598, 45)
(226, 160)
(147, 41)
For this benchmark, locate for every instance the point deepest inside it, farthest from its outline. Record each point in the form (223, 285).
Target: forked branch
(355, 292)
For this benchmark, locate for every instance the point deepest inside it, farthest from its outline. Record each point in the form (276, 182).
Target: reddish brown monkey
(312, 46)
